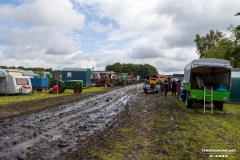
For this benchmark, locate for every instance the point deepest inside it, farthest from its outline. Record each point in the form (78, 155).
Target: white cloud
(87, 33)
(58, 14)
(33, 30)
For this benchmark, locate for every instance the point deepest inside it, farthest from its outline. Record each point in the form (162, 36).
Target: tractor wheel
(112, 84)
(94, 84)
(56, 87)
(77, 90)
(188, 101)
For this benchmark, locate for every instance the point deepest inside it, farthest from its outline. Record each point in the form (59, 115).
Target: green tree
(216, 44)
(237, 14)
(222, 50)
(234, 55)
(136, 69)
(207, 42)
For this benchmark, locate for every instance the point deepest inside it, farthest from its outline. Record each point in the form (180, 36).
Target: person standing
(174, 87)
(166, 87)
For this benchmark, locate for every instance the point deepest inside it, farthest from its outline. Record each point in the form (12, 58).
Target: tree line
(144, 70)
(216, 44)
(35, 69)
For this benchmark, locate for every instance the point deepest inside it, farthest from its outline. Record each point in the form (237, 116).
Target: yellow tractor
(152, 85)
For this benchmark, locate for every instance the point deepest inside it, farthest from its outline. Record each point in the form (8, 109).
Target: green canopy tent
(235, 85)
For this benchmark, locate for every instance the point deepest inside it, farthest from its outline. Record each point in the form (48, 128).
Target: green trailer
(207, 81)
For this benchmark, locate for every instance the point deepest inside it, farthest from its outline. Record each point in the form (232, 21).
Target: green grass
(172, 131)
(10, 99)
(232, 107)
(198, 131)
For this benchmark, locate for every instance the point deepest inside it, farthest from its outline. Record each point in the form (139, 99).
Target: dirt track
(51, 133)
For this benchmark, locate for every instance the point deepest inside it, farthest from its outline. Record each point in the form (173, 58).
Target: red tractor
(102, 78)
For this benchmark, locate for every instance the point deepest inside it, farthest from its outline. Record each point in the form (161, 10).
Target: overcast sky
(86, 33)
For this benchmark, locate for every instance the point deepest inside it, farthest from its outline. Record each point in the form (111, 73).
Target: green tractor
(59, 86)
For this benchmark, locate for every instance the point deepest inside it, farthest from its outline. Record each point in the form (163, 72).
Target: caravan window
(22, 81)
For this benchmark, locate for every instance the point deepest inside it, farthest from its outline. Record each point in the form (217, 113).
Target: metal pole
(57, 86)
(6, 80)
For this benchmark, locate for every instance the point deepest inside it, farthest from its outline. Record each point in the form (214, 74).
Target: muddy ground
(51, 133)
(124, 123)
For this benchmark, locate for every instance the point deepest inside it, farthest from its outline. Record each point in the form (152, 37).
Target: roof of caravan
(208, 62)
(3, 73)
(29, 73)
(236, 69)
(75, 69)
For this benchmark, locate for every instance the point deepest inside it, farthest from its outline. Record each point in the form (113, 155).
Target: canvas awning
(206, 66)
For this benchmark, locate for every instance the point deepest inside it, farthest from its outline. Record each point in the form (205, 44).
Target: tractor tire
(94, 84)
(112, 84)
(56, 87)
(77, 90)
(188, 101)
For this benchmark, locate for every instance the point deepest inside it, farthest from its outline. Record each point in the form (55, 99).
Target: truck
(207, 81)
(151, 84)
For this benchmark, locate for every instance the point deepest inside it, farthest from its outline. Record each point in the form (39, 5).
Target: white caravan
(15, 85)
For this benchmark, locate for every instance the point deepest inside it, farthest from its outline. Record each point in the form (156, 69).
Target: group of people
(173, 85)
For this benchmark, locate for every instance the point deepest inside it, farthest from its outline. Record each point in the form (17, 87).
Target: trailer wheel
(77, 91)
(188, 101)
(218, 105)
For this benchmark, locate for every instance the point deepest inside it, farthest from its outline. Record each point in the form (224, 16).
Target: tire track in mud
(51, 132)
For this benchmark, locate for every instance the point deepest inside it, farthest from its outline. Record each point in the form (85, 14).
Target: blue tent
(39, 83)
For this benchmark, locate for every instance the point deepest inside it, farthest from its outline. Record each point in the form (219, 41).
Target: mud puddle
(52, 132)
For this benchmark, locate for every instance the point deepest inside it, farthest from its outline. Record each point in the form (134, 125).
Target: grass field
(43, 95)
